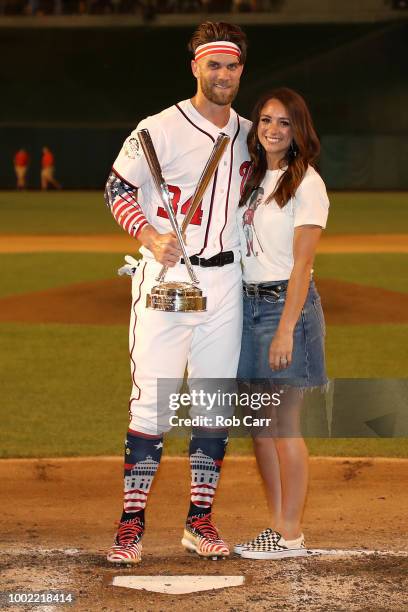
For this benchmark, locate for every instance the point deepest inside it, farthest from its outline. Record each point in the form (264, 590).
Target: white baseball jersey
(162, 343)
(183, 140)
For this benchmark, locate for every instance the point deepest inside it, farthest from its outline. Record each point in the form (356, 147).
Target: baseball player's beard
(218, 95)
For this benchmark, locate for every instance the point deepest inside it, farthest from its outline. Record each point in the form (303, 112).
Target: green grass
(22, 272)
(69, 212)
(65, 391)
(65, 388)
(368, 213)
(359, 447)
(367, 351)
(386, 270)
(342, 447)
(75, 212)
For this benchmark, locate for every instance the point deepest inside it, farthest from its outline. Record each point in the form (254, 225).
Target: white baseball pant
(162, 343)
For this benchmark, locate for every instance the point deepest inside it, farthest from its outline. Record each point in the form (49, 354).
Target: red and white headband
(221, 46)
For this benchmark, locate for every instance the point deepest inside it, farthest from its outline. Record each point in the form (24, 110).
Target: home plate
(177, 585)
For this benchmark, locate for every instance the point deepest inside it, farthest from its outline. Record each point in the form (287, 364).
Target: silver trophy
(174, 296)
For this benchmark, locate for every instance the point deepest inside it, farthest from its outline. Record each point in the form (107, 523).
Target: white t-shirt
(266, 231)
(183, 140)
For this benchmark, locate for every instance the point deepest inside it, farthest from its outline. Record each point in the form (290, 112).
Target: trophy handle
(202, 185)
(163, 191)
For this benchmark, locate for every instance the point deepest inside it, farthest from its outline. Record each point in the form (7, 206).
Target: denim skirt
(261, 319)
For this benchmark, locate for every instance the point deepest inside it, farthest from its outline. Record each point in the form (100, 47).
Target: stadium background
(80, 89)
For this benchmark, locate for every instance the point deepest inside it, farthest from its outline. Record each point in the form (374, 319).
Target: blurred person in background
(48, 169)
(21, 162)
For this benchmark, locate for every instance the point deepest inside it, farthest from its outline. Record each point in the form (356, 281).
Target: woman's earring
(293, 150)
(258, 147)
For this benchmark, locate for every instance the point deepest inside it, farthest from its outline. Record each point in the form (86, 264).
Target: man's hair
(213, 31)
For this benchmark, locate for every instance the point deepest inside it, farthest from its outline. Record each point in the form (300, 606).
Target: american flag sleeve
(120, 197)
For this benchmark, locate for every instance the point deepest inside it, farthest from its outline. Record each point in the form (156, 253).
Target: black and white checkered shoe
(263, 536)
(271, 545)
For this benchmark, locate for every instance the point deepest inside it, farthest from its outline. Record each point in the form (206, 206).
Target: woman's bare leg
(283, 463)
(294, 475)
(294, 466)
(268, 465)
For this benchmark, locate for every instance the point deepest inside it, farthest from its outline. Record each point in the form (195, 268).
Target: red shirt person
(48, 169)
(21, 162)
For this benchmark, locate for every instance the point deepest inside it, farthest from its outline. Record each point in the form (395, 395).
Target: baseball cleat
(238, 548)
(127, 548)
(201, 536)
(271, 545)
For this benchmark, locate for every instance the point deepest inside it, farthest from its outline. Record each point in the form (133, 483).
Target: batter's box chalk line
(331, 552)
(337, 552)
(308, 552)
(25, 550)
(177, 585)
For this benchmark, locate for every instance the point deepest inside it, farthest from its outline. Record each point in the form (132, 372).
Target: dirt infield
(57, 520)
(58, 515)
(122, 243)
(107, 302)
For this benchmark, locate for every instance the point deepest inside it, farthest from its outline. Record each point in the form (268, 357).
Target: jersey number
(176, 192)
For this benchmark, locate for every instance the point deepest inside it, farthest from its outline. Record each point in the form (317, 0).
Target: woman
(283, 208)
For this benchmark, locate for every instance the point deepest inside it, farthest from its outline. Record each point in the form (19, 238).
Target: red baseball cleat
(201, 536)
(127, 547)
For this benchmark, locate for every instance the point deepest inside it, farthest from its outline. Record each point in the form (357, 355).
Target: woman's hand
(280, 351)
(304, 245)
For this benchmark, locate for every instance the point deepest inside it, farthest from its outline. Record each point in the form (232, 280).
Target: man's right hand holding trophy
(176, 296)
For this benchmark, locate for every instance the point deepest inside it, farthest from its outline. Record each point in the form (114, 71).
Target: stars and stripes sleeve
(121, 199)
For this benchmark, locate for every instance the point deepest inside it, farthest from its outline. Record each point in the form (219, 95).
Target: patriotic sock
(207, 450)
(142, 458)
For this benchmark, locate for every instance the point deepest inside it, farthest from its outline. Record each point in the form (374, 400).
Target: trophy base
(176, 297)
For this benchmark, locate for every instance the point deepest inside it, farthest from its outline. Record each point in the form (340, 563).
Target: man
(48, 169)
(161, 343)
(21, 161)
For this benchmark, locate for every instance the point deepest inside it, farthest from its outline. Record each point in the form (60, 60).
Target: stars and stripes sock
(142, 458)
(207, 450)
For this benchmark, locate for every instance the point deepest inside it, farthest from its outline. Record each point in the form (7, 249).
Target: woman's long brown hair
(304, 149)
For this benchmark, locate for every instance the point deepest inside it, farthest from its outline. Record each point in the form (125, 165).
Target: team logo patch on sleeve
(131, 148)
